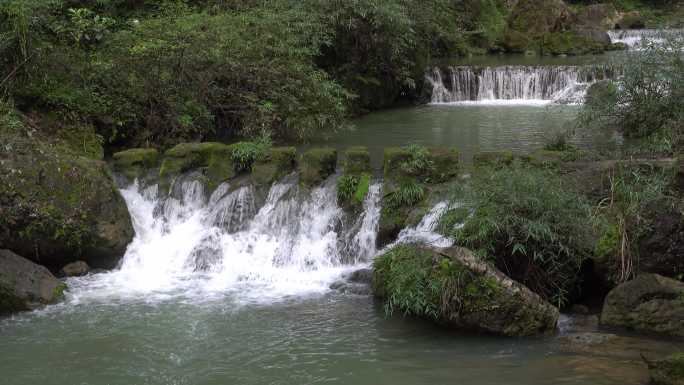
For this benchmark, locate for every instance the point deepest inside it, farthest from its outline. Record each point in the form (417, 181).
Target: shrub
(419, 162)
(408, 194)
(530, 224)
(647, 97)
(413, 282)
(621, 217)
(245, 154)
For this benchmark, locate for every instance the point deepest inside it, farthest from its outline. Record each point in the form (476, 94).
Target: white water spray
(638, 39)
(189, 244)
(534, 85)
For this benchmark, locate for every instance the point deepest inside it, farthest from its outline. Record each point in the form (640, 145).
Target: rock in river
(650, 303)
(25, 285)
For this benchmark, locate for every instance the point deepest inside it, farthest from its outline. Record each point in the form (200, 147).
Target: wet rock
(579, 309)
(213, 159)
(347, 287)
(668, 371)
(357, 161)
(25, 285)
(135, 163)
(75, 269)
(57, 207)
(650, 303)
(461, 291)
(362, 276)
(278, 162)
(631, 20)
(598, 16)
(316, 165)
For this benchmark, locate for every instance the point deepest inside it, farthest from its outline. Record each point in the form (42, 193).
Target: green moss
(317, 164)
(569, 43)
(58, 292)
(135, 162)
(669, 371)
(9, 303)
(214, 158)
(362, 189)
(352, 190)
(394, 157)
(493, 159)
(279, 162)
(357, 161)
(445, 164)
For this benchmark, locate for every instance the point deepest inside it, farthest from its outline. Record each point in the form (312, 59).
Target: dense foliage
(647, 99)
(529, 223)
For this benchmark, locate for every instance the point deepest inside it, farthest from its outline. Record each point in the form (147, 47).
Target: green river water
(178, 334)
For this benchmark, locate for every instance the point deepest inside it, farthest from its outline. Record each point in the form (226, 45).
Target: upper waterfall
(540, 84)
(639, 38)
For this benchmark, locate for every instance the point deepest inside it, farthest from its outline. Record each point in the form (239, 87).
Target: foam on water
(191, 245)
(639, 39)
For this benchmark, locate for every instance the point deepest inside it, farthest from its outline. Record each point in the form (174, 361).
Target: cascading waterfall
(425, 231)
(528, 84)
(636, 39)
(298, 241)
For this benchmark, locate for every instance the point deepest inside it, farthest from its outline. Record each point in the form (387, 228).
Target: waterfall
(292, 241)
(529, 84)
(637, 39)
(425, 231)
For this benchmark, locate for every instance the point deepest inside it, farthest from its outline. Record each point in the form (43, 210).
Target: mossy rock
(279, 161)
(631, 20)
(535, 18)
(394, 157)
(136, 162)
(445, 164)
(570, 43)
(214, 158)
(356, 161)
(455, 288)
(317, 165)
(493, 159)
(58, 208)
(25, 285)
(352, 190)
(669, 371)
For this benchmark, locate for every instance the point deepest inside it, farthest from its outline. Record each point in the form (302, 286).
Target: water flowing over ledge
(189, 244)
(514, 85)
(637, 39)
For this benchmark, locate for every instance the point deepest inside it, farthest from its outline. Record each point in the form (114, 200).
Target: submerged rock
(455, 288)
(75, 269)
(650, 303)
(58, 207)
(25, 285)
(669, 371)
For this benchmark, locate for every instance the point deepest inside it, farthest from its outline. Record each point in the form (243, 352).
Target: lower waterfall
(636, 39)
(296, 242)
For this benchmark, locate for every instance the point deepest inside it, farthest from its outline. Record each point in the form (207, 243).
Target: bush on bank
(529, 222)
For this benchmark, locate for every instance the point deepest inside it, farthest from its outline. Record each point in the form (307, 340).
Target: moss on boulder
(58, 208)
(215, 160)
(316, 165)
(669, 371)
(356, 161)
(25, 285)
(649, 303)
(135, 163)
(279, 162)
(445, 164)
(455, 288)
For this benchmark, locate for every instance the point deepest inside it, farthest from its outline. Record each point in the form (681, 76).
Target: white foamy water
(639, 39)
(425, 231)
(513, 85)
(191, 245)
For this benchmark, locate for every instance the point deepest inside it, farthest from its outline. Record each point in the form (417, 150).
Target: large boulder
(58, 207)
(650, 303)
(536, 18)
(668, 371)
(598, 16)
(25, 285)
(455, 288)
